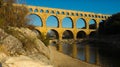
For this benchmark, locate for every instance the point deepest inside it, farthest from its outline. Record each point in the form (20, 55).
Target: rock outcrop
(24, 61)
(20, 47)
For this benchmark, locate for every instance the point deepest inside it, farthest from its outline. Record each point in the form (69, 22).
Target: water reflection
(92, 54)
(81, 52)
(67, 49)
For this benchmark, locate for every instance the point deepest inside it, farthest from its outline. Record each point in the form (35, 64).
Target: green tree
(111, 25)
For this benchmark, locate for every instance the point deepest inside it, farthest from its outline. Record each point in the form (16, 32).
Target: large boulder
(21, 47)
(31, 40)
(9, 44)
(24, 61)
(22, 40)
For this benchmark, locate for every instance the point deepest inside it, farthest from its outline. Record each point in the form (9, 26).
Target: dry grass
(3, 49)
(28, 43)
(14, 16)
(44, 39)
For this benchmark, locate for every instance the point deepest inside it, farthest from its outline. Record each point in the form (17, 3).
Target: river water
(67, 49)
(108, 55)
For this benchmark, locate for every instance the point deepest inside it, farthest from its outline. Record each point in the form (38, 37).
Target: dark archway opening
(38, 33)
(53, 34)
(92, 24)
(81, 34)
(92, 34)
(67, 35)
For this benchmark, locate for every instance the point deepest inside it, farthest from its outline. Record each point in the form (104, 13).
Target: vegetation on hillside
(109, 41)
(15, 16)
(111, 26)
(12, 16)
(44, 39)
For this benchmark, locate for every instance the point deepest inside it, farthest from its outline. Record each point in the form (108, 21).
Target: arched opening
(105, 17)
(67, 13)
(30, 10)
(102, 16)
(99, 16)
(93, 15)
(89, 15)
(92, 34)
(102, 21)
(47, 11)
(81, 23)
(35, 20)
(76, 14)
(38, 33)
(85, 15)
(72, 14)
(57, 12)
(52, 34)
(81, 14)
(67, 35)
(52, 21)
(96, 16)
(81, 34)
(41, 11)
(92, 24)
(36, 10)
(67, 23)
(52, 12)
(63, 13)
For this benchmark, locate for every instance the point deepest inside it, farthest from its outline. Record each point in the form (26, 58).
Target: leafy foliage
(111, 25)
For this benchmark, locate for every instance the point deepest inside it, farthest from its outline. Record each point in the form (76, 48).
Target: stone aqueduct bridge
(60, 14)
(75, 32)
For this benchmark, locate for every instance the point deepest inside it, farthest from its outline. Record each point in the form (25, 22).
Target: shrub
(44, 39)
(111, 25)
(10, 15)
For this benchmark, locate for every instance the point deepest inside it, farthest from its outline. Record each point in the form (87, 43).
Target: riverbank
(61, 60)
(21, 47)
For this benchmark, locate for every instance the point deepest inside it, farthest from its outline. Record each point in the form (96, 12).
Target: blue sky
(97, 6)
